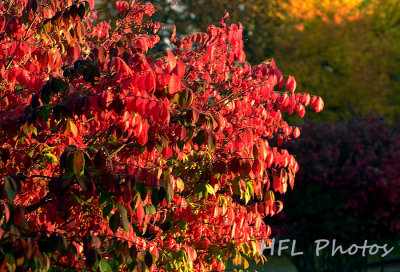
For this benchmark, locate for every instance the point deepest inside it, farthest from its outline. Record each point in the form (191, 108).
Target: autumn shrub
(117, 157)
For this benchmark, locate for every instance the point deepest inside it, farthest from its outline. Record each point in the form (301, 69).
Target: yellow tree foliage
(326, 10)
(344, 54)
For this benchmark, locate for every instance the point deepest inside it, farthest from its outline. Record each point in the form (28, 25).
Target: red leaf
(296, 132)
(150, 81)
(140, 213)
(300, 110)
(277, 184)
(104, 100)
(77, 51)
(235, 165)
(18, 215)
(164, 113)
(317, 104)
(174, 84)
(122, 7)
(281, 81)
(121, 67)
(180, 69)
(279, 204)
(171, 60)
(246, 168)
(305, 99)
(242, 56)
(256, 168)
(192, 115)
(181, 132)
(291, 83)
(2, 23)
(291, 180)
(173, 34)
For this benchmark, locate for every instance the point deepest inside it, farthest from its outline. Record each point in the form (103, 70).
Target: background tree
(116, 156)
(350, 193)
(353, 55)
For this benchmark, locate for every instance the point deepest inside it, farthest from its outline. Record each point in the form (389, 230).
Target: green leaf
(211, 141)
(133, 253)
(10, 188)
(159, 148)
(105, 266)
(58, 85)
(211, 101)
(142, 189)
(169, 192)
(135, 200)
(46, 26)
(104, 197)
(161, 194)
(112, 140)
(107, 209)
(87, 6)
(45, 96)
(114, 221)
(250, 187)
(31, 152)
(150, 209)
(164, 141)
(51, 158)
(89, 71)
(200, 137)
(25, 128)
(124, 216)
(148, 259)
(155, 197)
(180, 144)
(34, 130)
(81, 10)
(47, 149)
(199, 190)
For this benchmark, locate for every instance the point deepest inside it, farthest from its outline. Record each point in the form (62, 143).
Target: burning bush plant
(117, 157)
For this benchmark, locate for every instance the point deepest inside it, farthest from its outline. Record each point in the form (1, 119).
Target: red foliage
(112, 157)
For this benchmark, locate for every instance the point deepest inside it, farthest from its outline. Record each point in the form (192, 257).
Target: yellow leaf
(71, 128)
(254, 247)
(78, 163)
(180, 185)
(245, 263)
(237, 260)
